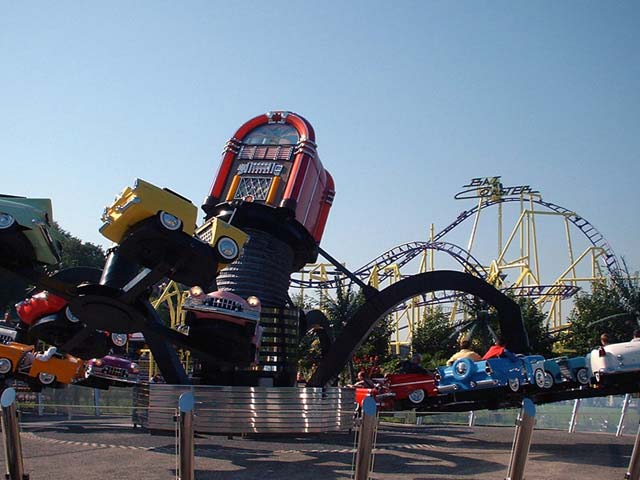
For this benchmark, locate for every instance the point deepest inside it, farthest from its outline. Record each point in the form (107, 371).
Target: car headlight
(119, 339)
(462, 368)
(134, 368)
(6, 220)
(228, 248)
(98, 363)
(253, 301)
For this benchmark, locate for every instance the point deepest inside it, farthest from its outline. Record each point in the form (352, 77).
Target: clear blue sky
(409, 100)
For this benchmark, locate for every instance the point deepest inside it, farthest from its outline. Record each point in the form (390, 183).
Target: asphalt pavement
(109, 448)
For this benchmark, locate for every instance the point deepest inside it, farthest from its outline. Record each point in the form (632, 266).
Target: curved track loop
(400, 256)
(379, 304)
(589, 231)
(403, 254)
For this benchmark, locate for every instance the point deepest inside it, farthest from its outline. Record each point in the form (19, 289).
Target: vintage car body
(566, 372)
(48, 319)
(155, 227)
(217, 234)
(226, 323)
(25, 225)
(7, 334)
(615, 364)
(499, 373)
(61, 369)
(117, 370)
(399, 390)
(142, 201)
(22, 361)
(39, 305)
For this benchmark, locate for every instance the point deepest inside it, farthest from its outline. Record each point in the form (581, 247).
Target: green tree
(434, 338)
(535, 323)
(76, 253)
(594, 313)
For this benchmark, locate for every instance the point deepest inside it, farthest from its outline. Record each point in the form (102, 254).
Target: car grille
(115, 371)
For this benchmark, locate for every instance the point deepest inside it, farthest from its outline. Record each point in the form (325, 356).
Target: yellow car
(155, 228)
(47, 368)
(226, 239)
(145, 200)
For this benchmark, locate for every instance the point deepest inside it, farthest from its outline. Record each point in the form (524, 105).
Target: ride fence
(601, 414)
(613, 414)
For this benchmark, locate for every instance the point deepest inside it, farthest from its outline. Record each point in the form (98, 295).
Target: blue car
(566, 372)
(496, 373)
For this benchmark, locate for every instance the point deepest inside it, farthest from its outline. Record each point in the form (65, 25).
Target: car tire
(5, 366)
(513, 384)
(540, 378)
(582, 376)
(46, 378)
(463, 368)
(548, 380)
(10, 223)
(417, 396)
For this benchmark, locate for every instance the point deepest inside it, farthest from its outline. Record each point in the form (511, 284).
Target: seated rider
(498, 350)
(364, 381)
(465, 352)
(413, 365)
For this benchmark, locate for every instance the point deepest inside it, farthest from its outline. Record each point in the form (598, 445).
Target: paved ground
(110, 448)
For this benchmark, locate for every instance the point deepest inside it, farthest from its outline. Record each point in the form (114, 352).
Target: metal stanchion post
(574, 416)
(185, 446)
(40, 405)
(633, 472)
(96, 402)
(11, 429)
(365, 439)
(623, 413)
(472, 418)
(522, 440)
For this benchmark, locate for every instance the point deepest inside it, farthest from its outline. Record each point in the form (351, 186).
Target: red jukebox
(272, 185)
(272, 161)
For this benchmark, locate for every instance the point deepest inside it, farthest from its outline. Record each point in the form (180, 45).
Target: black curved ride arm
(365, 318)
(316, 322)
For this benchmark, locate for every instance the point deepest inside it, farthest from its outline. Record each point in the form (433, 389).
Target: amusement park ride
(265, 216)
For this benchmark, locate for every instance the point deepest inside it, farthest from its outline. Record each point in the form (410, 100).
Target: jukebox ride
(265, 216)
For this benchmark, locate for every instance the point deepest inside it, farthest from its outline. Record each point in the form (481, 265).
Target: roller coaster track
(400, 256)
(593, 235)
(403, 254)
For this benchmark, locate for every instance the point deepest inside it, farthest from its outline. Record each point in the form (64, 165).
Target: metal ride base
(246, 410)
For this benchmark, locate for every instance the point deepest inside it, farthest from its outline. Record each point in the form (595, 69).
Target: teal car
(25, 230)
(565, 372)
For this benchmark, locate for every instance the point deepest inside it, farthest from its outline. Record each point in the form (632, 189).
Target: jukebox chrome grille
(274, 152)
(256, 187)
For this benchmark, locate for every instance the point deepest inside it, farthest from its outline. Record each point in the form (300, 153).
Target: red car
(400, 391)
(38, 306)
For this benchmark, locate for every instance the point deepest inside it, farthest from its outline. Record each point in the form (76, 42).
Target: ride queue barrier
(11, 430)
(522, 440)
(247, 410)
(366, 439)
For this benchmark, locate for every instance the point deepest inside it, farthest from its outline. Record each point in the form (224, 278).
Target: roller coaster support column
(574, 416)
(366, 438)
(522, 440)
(186, 449)
(11, 429)
(623, 413)
(633, 472)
